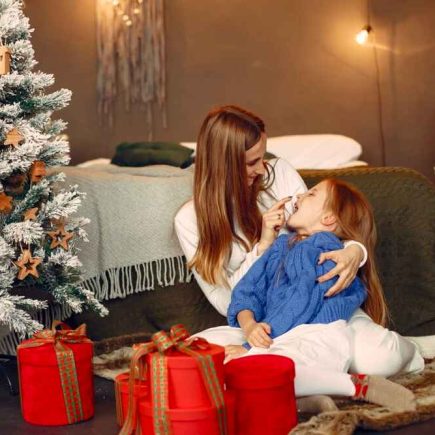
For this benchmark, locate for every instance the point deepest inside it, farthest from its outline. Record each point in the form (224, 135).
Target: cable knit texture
(281, 289)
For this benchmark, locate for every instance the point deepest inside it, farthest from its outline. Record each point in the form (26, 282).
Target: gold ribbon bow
(66, 363)
(161, 342)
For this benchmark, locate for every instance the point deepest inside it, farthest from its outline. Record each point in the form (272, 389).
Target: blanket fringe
(112, 284)
(123, 281)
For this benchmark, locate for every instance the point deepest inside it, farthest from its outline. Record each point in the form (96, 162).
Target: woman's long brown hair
(355, 221)
(223, 201)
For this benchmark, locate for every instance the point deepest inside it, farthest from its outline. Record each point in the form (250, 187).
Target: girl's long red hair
(222, 198)
(356, 221)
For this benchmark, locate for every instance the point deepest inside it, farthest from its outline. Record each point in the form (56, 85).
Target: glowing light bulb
(125, 17)
(140, 1)
(115, 2)
(128, 23)
(136, 11)
(363, 35)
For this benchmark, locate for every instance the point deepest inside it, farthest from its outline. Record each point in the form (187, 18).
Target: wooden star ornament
(27, 265)
(5, 203)
(5, 60)
(60, 237)
(37, 171)
(30, 214)
(14, 138)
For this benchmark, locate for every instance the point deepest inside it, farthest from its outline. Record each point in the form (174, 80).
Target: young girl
(279, 307)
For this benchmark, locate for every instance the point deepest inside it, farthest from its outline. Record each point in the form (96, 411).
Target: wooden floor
(104, 422)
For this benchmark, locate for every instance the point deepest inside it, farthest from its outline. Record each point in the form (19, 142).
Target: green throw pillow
(150, 153)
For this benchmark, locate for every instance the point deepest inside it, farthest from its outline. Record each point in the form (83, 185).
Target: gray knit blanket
(131, 231)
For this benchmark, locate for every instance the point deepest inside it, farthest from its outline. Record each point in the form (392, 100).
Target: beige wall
(294, 62)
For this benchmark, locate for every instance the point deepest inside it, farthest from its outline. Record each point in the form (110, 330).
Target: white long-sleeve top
(287, 182)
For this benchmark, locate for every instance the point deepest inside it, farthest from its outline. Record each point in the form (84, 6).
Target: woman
(239, 205)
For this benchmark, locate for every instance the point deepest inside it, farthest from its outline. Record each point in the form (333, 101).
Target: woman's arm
(187, 232)
(348, 260)
(303, 301)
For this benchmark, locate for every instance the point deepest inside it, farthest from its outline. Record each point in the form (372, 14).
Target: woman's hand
(347, 264)
(273, 221)
(257, 334)
(233, 351)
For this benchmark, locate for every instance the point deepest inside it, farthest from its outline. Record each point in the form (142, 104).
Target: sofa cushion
(404, 206)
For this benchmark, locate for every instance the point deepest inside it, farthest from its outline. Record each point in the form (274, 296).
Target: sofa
(404, 206)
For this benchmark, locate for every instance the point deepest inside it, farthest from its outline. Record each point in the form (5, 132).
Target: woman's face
(309, 210)
(254, 160)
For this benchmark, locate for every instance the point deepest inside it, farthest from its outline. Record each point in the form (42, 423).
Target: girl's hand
(348, 261)
(233, 351)
(273, 221)
(257, 334)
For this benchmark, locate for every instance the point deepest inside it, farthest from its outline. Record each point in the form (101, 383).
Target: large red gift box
(184, 376)
(56, 379)
(264, 391)
(185, 381)
(190, 421)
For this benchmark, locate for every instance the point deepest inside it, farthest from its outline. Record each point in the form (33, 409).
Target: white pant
(323, 353)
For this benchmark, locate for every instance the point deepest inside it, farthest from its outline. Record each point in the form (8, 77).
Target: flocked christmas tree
(37, 233)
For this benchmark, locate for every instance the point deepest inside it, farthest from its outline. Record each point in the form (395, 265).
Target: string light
(136, 11)
(125, 17)
(363, 35)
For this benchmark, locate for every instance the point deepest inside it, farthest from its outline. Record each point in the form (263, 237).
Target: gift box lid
(259, 371)
(179, 360)
(140, 387)
(45, 355)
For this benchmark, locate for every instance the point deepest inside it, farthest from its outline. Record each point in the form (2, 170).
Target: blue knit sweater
(281, 289)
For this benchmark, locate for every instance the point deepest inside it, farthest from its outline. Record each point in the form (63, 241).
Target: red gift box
(264, 391)
(183, 374)
(121, 395)
(55, 375)
(190, 421)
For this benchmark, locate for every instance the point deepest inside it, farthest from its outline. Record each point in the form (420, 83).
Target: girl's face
(310, 212)
(254, 160)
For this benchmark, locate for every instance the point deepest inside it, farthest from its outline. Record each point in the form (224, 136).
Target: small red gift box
(55, 374)
(182, 374)
(264, 391)
(121, 395)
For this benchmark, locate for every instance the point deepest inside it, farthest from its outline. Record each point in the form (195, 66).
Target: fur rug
(350, 414)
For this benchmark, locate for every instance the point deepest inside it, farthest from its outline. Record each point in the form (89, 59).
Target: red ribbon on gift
(66, 363)
(158, 372)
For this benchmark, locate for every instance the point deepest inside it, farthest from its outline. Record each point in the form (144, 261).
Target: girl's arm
(257, 334)
(250, 293)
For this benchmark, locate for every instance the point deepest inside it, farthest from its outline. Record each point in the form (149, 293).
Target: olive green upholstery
(404, 205)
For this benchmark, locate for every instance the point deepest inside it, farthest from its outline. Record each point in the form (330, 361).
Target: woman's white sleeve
(218, 296)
